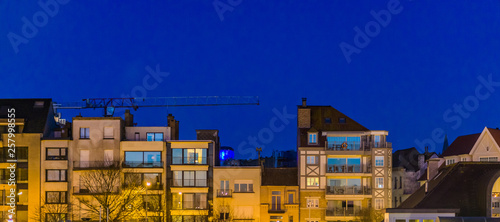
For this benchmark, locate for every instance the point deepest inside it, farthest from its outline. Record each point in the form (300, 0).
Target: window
(22, 175)
(56, 154)
(189, 156)
(55, 176)
(84, 133)
(243, 186)
(141, 179)
(55, 217)
(312, 203)
(395, 201)
(464, 159)
(137, 136)
(400, 220)
(341, 120)
(143, 159)
(154, 136)
(379, 204)
(400, 183)
(413, 220)
(290, 198)
(379, 161)
(152, 202)
(55, 197)
(312, 181)
(395, 182)
(328, 120)
(450, 161)
(495, 204)
(488, 159)
(427, 220)
(194, 201)
(313, 138)
(344, 143)
(108, 132)
(379, 182)
(290, 218)
(311, 159)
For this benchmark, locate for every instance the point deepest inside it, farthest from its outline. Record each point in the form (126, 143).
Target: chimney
(432, 168)
(129, 118)
(174, 127)
(304, 102)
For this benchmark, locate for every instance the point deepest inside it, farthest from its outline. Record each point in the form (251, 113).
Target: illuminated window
(154, 136)
(56, 154)
(312, 181)
(55, 197)
(379, 182)
(450, 161)
(313, 138)
(379, 161)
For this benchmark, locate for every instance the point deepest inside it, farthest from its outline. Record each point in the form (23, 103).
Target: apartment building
(279, 195)
(237, 193)
(344, 168)
(33, 120)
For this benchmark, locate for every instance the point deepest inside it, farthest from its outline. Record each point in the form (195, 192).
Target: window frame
(61, 200)
(379, 204)
(315, 158)
(316, 180)
(379, 185)
(312, 138)
(314, 201)
(60, 170)
(58, 148)
(377, 161)
(154, 136)
(86, 133)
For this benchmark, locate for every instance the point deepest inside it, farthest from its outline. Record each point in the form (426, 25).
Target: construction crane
(109, 104)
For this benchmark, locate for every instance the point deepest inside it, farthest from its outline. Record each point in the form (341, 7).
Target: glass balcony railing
(347, 168)
(190, 182)
(139, 164)
(348, 190)
(343, 211)
(355, 145)
(80, 165)
(225, 193)
(189, 161)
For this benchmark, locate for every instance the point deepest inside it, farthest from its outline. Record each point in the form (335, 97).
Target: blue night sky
(409, 77)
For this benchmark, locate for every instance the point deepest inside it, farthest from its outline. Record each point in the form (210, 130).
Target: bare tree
(107, 195)
(51, 212)
(370, 215)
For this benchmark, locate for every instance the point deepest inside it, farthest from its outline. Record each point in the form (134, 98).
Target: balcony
(348, 190)
(89, 165)
(276, 208)
(225, 193)
(189, 161)
(190, 183)
(153, 186)
(348, 168)
(95, 190)
(139, 164)
(355, 145)
(343, 211)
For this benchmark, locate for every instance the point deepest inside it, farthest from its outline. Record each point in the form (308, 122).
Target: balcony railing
(348, 190)
(343, 211)
(189, 161)
(84, 190)
(276, 208)
(82, 165)
(190, 182)
(139, 164)
(347, 168)
(225, 193)
(153, 186)
(355, 145)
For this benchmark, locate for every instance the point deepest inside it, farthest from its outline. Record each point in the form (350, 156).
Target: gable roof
(286, 176)
(320, 113)
(496, 135)
(462, 145)
(459, 186)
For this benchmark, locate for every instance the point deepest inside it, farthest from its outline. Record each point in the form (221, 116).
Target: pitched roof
(407, 158)
(320, 113)
(458, 186)
(286, 176)
(462, 145)
(35, 113)
(496, 134)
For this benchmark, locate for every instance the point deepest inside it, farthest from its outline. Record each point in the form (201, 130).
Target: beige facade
(237, 193)
(279, 203)
(485, 148)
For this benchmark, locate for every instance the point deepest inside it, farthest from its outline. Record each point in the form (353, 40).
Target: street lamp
(147, 185)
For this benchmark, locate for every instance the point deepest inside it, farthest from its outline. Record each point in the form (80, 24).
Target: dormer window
(313, 138)
(328, 120)
(341, 120)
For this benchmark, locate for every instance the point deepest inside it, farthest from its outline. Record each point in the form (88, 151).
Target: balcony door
(276, 200)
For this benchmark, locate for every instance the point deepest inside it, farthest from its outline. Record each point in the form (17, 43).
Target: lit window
(312, 181)
(379, 204)
(56, 154)
(488, 159)
(312, 203)
(379, 161)
(154, 136)
(379, 182)
(313, 138)
(84, 133)
(55, 197)
(311, 159)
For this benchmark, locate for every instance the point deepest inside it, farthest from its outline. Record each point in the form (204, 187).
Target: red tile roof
(461, 145)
